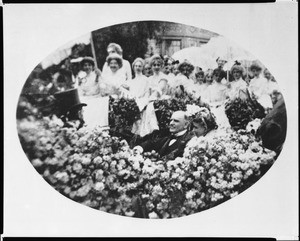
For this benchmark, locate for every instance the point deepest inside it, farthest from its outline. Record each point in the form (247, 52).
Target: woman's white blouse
(89, 86)
(138, 87)
(234, 88)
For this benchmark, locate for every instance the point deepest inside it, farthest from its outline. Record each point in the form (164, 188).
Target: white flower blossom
(77, 167)
(189, 180)
(99, 186)
(86, 160)
(62, 176)
(97, 160)
(234, 194)
(190, 194)
(37, 162)
(99, 175)
(129, 213)
(197, 175)
(153, 215)
(216, 197)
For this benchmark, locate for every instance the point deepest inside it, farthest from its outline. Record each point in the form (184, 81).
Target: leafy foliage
(132, 37)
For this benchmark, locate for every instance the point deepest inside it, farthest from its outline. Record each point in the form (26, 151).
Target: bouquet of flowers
(123, 113)
(240, 111)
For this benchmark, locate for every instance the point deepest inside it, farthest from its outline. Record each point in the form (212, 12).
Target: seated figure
(173, 145)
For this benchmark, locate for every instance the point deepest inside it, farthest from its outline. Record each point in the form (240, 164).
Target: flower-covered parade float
(102, 171)
(156, 137)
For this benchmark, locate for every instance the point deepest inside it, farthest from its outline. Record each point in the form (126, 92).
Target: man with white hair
(172, 146)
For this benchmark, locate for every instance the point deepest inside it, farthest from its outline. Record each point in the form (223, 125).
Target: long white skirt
(96, 111)
(148, 122)
(221, 117)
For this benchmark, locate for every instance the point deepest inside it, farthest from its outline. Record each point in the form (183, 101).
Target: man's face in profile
(178, 122)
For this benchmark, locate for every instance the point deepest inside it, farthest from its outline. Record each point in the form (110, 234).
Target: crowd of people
(156, 78)
(184, 150)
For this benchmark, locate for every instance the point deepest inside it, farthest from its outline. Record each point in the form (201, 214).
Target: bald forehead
(178, 115)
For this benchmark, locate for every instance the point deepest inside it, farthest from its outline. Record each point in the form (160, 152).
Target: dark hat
(67, 100)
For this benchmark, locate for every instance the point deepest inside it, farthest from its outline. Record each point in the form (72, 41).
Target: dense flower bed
(93, 168)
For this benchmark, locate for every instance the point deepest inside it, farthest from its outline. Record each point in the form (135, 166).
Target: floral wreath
(203, 114)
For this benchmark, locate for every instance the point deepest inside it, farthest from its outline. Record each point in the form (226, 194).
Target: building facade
(172, 37)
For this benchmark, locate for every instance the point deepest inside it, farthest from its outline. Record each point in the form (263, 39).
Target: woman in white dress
(96, 111)
(139, 89)
(216, 97)
(259, 87)
(156, 63)
(217, 90)
(114, 82)
(138, 86)
(168, 67)
(183, 78)
(207, 82)
(200, 85)
(203, 123)
(88, 80)
(125, 69)
(238, 84)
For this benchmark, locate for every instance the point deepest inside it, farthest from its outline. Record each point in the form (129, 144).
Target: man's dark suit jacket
(161, 146)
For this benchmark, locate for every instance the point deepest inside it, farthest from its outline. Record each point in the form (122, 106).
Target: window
(172, 46)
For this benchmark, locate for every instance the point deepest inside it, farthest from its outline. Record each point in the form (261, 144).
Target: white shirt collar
(181, 133)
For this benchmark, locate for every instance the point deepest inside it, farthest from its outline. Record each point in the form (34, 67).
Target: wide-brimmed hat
(76, 60)
(89, 60)
(67, 100)
(115, 56)
(156, 57)
(255, 66)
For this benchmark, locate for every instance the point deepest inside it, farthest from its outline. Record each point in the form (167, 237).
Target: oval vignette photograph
(151, 119)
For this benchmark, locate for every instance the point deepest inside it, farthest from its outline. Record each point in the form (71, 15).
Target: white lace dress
(216, 97)
(259, 86)
(235, 87)
(96, 111)
(148, 122)
(112, 84)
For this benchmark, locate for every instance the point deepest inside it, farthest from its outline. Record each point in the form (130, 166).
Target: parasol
(195, 56)
(205, 56)
(65, 51)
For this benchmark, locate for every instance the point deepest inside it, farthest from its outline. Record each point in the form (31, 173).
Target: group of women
(161, 78)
